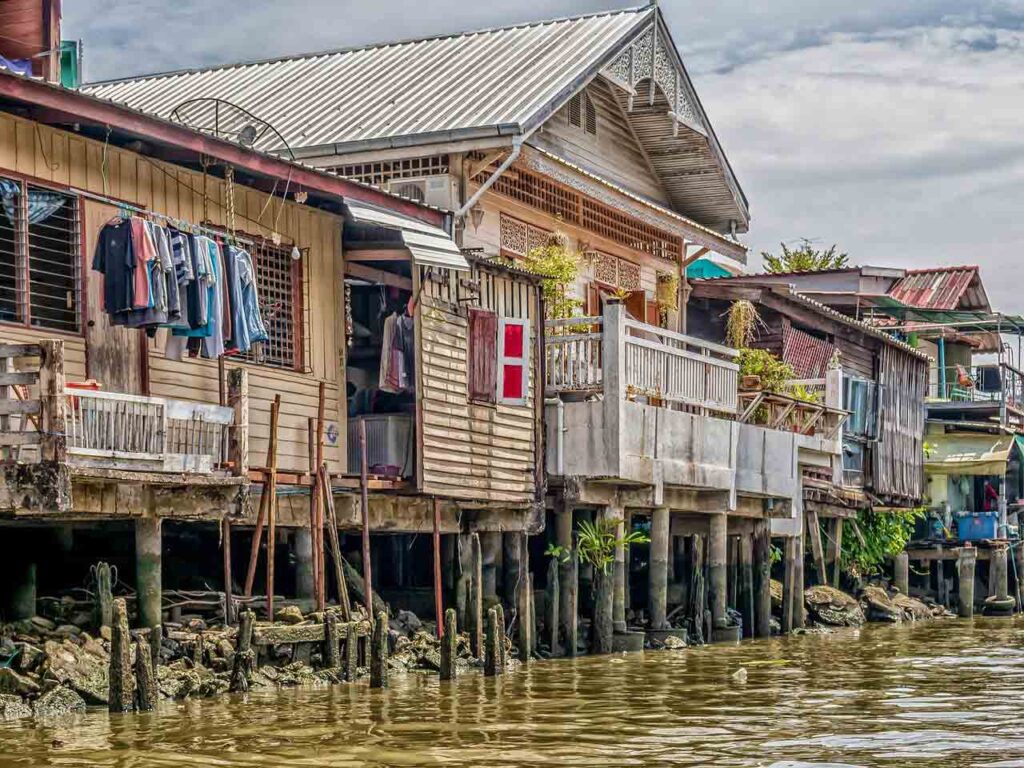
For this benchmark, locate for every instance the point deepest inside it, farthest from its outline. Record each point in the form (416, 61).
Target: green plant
(668, 292)
(774, 554)
(741, 323)
(761, 363)
(557, 551)
(804, 258)
(802, 393)
(597, 542)
(884, 534)
(559, 265)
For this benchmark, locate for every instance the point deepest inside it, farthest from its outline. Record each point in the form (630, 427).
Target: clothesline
(196, 228)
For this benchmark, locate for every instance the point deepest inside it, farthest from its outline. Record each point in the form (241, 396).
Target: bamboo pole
(275, 411)
(319, 541)
(438, 599)
(314, 501)
(261, 517)
(365, 504)
(332, 535)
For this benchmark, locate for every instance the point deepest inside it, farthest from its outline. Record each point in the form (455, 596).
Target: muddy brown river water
(947, 693)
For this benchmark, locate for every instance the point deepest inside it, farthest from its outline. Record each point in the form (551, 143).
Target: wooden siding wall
(614, 152)
(69, 160)
(470, 451)
(898, 457)
(488, 237)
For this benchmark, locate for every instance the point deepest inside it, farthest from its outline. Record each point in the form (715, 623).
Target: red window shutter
(513, 361)
(483, 334)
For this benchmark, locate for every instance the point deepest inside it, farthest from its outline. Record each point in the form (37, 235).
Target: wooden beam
(688, 259)
(814, 532)
(376, 254)
(378, 276)
(481, 165)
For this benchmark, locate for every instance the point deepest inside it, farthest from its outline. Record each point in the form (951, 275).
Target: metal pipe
(942, 367)
(517, 147)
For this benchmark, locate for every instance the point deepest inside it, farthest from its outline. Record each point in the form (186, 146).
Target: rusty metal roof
(942, 288)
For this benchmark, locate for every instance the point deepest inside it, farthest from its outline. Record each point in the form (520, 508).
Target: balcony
(633, 404)
(61, 443)
(982, 393)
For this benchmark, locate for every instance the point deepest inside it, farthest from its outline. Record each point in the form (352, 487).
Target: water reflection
(945, 693)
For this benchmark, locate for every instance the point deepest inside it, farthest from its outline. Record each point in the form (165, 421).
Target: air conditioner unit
(439, 191)
(389, 444)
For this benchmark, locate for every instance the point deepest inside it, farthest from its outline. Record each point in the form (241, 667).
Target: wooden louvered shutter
(483, 357)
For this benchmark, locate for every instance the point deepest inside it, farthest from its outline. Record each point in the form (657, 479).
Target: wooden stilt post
(817, 551)
(225, 546)
(145, 679)
(572, 624)
(502, 649)
(351, 652)
(121, 695)
(551, 622)
(379, 652)
(275, 414)
(365, 503)
(448, 645)
(318, 551)
(492, 654)
(314, 502)
(332, 537)
(438, 599)
(476, 599)
(104, 606)
(245, 658)
(332, 641)
(266, 497)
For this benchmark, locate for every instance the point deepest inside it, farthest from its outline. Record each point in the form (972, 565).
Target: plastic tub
(972, 526)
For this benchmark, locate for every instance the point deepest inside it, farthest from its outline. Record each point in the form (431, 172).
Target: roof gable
(942, 288)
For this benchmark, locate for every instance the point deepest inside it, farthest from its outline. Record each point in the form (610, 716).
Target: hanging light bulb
(296, 253)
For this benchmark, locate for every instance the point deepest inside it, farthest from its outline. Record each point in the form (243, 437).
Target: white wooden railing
(146, 432)
(642, 361)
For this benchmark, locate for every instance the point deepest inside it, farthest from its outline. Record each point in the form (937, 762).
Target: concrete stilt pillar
(512, 576)
(620, 573)
(490, 545)
(793, 587)
(718, 567)
(965, 563)
(999, 575)
(901, 572)
(563, 533)
(148, 565)
(762, 579)
(1018, 575)
(23, 589)
(302, 544)
(658, 569)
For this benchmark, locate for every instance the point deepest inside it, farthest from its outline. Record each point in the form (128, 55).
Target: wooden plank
(19, 350)
(11, 439)
(16, 378)
(12, 407)
(814, 533)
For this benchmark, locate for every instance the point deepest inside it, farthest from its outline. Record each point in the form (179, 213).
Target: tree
(804, 258)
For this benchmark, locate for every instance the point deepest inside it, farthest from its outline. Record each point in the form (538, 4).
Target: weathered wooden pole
(745, 588)
(697, 590)
(492, 653)
(351, 652)
(718, 567)
(244, 662)
(476, 597)
(314, 502)
(563, 538)
(145, 678)
(364, 498)
(965, 564)
(658, 568)
(762, 578)
(318, 549)
(225, 547)
(379, 652)
(499, 611)
(552, 595)
(121, 693)
(835, 550)
(275, 415)
(332, 641)
(448, 645)
(524, 625)
(332, 537)
(268, 492)
(901, 572)
(438, 587)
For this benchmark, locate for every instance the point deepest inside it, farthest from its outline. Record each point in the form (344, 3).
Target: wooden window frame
(24, 288)
(296, 310)
(524, 361)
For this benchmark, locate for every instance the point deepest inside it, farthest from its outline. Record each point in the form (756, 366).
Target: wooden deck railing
(41, 419)
(641, 361)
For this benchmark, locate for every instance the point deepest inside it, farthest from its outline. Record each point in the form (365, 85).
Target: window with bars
(40, 257)
(279, 281)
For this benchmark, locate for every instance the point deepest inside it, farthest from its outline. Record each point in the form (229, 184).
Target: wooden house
(103, 428)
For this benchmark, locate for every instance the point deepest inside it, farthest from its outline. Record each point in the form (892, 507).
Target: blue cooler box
(972, 526)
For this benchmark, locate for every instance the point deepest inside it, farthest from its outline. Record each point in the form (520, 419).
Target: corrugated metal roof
(942, 288)
(493, 80)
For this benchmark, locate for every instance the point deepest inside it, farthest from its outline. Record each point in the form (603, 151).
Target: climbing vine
(559, 265)
(885, 535)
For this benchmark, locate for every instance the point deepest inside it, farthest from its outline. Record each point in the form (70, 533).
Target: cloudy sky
(894, 128)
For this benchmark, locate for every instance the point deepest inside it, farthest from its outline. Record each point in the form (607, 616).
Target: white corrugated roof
(492, 81)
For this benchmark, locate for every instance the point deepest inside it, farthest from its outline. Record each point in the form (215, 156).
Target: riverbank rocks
(878, 606)
(833, 607)
(913, 609)
(58, 702)
(15, 684)
(289, 614)
(776, 591)
(82, 668)
(13, 708)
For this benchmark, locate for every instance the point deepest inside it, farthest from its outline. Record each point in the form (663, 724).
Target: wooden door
(114, 355)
